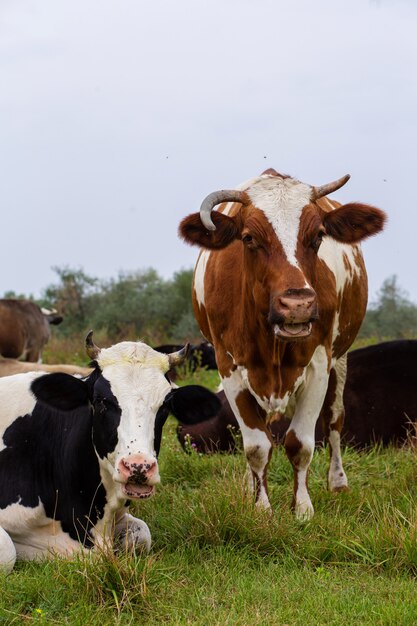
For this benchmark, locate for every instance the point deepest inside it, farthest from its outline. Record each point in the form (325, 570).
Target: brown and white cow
(280, 290)
(24, 329)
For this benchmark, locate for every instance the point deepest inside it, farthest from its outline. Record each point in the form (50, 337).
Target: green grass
(217, 560)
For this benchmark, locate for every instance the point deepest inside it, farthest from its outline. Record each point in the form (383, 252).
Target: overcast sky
(117, 117)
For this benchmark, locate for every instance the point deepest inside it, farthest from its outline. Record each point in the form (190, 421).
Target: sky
(118, 117)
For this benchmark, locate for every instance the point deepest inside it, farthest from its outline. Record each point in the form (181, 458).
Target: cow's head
(278, 228)
(130, 399)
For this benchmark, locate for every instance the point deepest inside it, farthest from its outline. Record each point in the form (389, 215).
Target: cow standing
(73, 452)
(24, 329)
(280, 290)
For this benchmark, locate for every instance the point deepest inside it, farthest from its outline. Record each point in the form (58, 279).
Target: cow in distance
(24, 329)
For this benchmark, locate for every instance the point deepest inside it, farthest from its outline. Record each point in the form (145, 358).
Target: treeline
(392, 315)
(134, 305)
(144, 305)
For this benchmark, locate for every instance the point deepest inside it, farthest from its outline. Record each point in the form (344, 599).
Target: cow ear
(352, 223)
(193, 231)
(193, 404)
(60, 391)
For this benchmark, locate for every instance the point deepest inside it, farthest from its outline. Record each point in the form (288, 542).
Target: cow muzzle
(139, 474)
(292, 314)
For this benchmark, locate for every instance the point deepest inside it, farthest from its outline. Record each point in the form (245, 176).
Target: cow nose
(138, 468)
(296, 305)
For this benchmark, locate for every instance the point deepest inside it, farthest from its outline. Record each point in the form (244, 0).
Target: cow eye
(250, 242)
(315, 244)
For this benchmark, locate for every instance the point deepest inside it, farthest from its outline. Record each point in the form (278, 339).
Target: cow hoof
(339, 488)
(135, 536)
(304, 511)
(338, 483)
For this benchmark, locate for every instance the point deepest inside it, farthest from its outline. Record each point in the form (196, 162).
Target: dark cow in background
(24, 329)
(199, 355)
(380, 399)
(280, 290)
(74, 452)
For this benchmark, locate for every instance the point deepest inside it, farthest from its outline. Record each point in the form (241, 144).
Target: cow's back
(24, 330)
(381, 395)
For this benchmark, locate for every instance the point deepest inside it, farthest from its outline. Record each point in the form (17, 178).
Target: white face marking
(136, 376)
(282, 201)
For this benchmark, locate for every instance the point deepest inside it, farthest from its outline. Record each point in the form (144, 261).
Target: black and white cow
(73, 451)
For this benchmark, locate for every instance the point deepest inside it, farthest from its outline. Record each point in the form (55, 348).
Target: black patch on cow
(50, 459)
(189, 404)
(60, 391)
(192, 404)
(106, 419)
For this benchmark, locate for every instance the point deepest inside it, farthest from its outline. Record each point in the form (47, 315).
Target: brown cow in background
(9, 367)
(24, 329)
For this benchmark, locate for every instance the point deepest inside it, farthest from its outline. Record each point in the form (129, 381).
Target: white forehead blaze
(282, 201)
(136, 376)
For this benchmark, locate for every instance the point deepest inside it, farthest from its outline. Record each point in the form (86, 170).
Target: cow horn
(92, 350)
(324, 190)
(177, 358)
(217, 197)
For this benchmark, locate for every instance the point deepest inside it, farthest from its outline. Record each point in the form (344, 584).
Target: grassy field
(217, 560)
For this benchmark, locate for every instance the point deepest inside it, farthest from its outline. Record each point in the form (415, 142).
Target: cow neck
(270, 363)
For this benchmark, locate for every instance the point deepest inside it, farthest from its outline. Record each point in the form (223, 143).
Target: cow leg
(257, 440)
(300, 440)
(332, 419)
(7, 552)
(131, 533)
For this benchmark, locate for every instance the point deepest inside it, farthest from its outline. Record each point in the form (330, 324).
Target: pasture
(215, 559)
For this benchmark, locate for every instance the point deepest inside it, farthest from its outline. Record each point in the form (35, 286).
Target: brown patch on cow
(259, 471)
(292, 445)
(346, 263)
(252, 414)
(341, 489)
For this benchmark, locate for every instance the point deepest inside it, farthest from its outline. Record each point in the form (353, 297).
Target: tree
(392, 315)
(71, 298)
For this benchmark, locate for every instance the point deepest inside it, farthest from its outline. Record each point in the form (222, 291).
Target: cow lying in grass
(380, 399)
(73, 452)
(8, 367)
